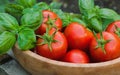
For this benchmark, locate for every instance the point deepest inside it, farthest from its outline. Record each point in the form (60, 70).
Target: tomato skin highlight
(78, 36)
(76, 56)
(59, 48)
(112, 48)
(47, 13)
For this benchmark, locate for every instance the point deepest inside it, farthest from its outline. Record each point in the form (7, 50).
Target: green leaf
(106, 22)
(26, 3)
(68, 17)
(117, 17)
(90, 14)
(8, 22)
(28, 10)
(32, 20)
(2, 29)
(41, 6)
(14, 10)
(55, 5)
(95, 24)
(3, 4)
(107, 13)
(93, 12)
(37, 7)
(26, 38)
(79, 21)
(67, 20)
(7, 40)
(85, 5)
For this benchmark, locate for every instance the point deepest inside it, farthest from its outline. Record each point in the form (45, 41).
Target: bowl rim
(67, 64)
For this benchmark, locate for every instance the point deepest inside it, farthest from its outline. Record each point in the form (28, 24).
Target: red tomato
(112, 48)
(78, 36)
(111, 27)
(44, 25)
(59, 47)
(76, 56)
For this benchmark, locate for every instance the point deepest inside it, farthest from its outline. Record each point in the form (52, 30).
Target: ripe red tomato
(53, 16)
(59, 47)
(112, 48)
(76, 56)
(111, 26)
(78, 36)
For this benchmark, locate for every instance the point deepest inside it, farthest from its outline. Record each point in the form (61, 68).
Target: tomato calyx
(101, 42)
(117, 30)
(47, 39)
(51, 23)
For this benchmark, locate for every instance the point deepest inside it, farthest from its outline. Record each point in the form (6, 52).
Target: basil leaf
(26, 3)
(26, 38)
(28, 10)
(106, 22)
(79, 21)
(70, 17)
(95, 25)
(32, 20)
(117, 17)
(85, 5)
(55, 5)
(107, 13)
(37, 7)
(2, 29)
(14, 10)
(90, 14)
(2, 5)
(8, 22)
(7, 40)
(67, 19)
(41, 6)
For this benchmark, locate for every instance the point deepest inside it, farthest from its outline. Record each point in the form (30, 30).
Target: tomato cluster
(76, 43)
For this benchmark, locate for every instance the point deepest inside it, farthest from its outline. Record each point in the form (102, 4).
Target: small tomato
(114, 27)
(58, 46)
(49, 19)
(78, 36)
(105, 49)
(76, 56)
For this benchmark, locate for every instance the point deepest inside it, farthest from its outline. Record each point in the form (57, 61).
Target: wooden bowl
(38, 65)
